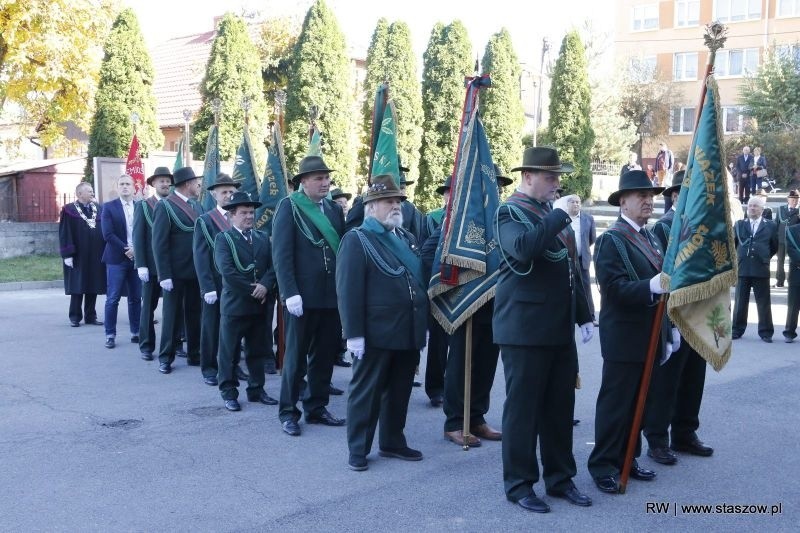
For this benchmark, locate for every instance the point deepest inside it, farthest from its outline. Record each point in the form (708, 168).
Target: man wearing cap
(383, 303)
(145, 263)
(787, 216)
(676, 388)
(206, 228)
(627, 260)
(117, 224)
(756, 243)
(342, 198)
(173, 230)
(306, 231)
(538, 302)
(243, 257)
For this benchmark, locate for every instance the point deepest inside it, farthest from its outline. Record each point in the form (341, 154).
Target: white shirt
(127, 208)
(636, 226)
(182, 197)
(754, 224)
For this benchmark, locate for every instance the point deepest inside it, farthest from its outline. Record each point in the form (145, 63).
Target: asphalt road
(97, 440)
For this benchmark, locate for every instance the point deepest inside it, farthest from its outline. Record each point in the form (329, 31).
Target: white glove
(676, 340)
(668, 351)
(587, 332)
(68, 262)
(166, 284)
(144, 274)
(210, 297)
(655, 284)
(295, 305)
(356, 345)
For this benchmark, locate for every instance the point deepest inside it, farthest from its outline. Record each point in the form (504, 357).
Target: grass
(31, 268)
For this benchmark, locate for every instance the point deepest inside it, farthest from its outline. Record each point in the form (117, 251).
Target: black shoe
(334, 391)
(779, 285)
(210, 380)
(788, 339)
(74, 323)
(341, 362)
(263, 398)
(608, 484)
(325, 418)
(357, 463)
(416, 384)
(94, 322)
(694, 447)
(768, 340)
(232, 405)
(135, 339)
(572, 495)
(531, 502)
(437, 400)
(192, 362)
(291, 427)
(165, 368)
(662, 455)
(269, 366)
(180, 352)
(736, 336)
(406, 454)
(642, 474)
(147, 356)
(110, 342)
(241, 374)
(575, 421)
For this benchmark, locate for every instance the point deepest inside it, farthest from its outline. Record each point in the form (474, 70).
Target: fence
(605, 168)
(35, 206)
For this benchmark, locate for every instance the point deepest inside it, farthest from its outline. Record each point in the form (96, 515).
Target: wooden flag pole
(467, 384)
(714, 39)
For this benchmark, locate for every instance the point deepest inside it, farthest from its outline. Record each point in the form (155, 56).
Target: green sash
(398, 247)
(318, 218)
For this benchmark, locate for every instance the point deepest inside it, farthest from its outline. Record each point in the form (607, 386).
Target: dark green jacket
(172, 241)
(206, 228)
(237, 286)
(143, 234)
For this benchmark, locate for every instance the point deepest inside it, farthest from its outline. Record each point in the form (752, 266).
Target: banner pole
(467, 384)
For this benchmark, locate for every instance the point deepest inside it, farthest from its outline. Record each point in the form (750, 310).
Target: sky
(357, 19)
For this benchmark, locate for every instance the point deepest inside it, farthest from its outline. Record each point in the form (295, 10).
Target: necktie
(646, 235)
(247, 236)
(321, 208)
(754, 227)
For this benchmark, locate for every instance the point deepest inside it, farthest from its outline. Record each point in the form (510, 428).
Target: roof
(26, 165)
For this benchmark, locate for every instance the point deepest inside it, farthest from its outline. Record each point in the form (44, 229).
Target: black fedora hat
(383, 186)
(446, 186)
(224, 179)
(677, 181)
(339, 193)
(160, 172)
(543, 158)
(308, 165)
(183, 175)
(241, 198)
(502, 181)
(633, 180)
(793, 194)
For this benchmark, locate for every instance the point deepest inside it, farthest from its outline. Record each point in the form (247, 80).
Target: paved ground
(97, 440)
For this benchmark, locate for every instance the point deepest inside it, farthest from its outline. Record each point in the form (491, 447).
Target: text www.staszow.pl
(719, 508)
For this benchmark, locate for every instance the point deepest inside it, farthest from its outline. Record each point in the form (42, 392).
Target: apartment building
(666, 38)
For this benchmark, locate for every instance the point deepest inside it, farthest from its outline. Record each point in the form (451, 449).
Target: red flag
(135, 169)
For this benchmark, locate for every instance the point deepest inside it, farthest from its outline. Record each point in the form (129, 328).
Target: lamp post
(187, 153)
(538, 119)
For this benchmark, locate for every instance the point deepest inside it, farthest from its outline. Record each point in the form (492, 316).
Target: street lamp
(186, 152)
(538, 114)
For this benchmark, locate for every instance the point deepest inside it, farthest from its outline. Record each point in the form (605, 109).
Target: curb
(31, 285)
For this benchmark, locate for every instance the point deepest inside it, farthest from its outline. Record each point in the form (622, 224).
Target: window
(789, 8)
(681, 120)
(642, 69)
(790, 51)
(644, 17)
(737, 10)
(733, 119)
(736, 62)
(687, 13)
(684, 66)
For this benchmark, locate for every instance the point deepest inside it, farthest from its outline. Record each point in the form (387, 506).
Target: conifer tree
(320, 77)
(376, 73)
(447, 61)
(501, 106)
(233, 73)
(569, 127)
(125, 87)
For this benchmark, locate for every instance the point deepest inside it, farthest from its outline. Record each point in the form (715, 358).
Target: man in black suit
(787, 216)
(583, 227)
(145, 263)
(538, 302)
(206, 228)
(743, 167)
(756, 243)
(80, 237)
(244, 259)
(793, 249)
(173, 229)
(117, 222)
(383, 304)
(676, 388)
(627, 260)
(306, 231)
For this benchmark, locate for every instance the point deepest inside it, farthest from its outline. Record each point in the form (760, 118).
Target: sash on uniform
(318, 218)
(398, 247)
(539, 211)
(626, 231)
